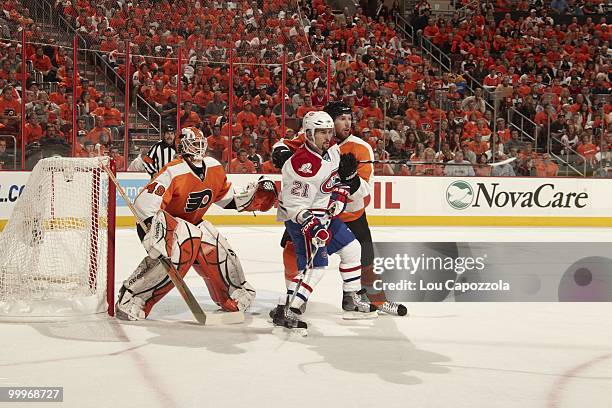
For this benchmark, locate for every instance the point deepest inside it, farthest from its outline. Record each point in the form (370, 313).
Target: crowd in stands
(406, 108)
(542, 63)
(50, 96)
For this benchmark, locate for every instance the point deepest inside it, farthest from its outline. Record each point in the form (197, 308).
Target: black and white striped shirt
(158, 156)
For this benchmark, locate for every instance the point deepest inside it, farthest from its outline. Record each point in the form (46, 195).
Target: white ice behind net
(53, 249)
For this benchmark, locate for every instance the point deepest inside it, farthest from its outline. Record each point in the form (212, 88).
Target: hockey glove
(338, 200)
(348, 167)
(348, 172)
(315, 232)
(280, 155)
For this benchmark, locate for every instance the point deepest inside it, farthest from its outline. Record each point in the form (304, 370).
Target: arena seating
(531, 84)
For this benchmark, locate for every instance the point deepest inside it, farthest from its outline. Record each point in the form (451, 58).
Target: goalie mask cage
(57, 249)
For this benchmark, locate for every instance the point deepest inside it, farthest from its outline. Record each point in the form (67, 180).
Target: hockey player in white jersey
(311, 200)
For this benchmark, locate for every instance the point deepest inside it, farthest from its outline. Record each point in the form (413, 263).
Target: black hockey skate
(356, 306)
(288, 318)
(392, 308)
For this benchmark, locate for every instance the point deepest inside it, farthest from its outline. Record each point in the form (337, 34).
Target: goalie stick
(408, 162)
(195, 308)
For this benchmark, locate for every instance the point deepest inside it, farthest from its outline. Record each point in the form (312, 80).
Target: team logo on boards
(459, 195)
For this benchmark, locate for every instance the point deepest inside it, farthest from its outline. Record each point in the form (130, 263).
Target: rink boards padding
(416, 201)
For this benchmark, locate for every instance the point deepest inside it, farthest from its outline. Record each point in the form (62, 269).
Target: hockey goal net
(57, 249)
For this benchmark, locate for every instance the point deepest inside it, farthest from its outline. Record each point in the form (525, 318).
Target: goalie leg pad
(171, 238)
(220, 268)
(141, 290)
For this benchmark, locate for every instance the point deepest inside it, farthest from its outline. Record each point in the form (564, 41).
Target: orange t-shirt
(10, 108)
(112, 116)
(33, 133)
(236, 166)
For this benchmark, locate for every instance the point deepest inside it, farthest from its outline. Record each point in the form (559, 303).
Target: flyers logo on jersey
(328, 185)
(197, 200)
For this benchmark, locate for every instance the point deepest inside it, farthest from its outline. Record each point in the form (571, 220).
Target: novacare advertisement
(419, 201)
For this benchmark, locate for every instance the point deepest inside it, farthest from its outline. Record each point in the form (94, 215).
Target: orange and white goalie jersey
(178, 190)
(362, 151)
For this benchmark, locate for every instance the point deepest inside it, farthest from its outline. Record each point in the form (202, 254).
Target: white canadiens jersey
(307, 182)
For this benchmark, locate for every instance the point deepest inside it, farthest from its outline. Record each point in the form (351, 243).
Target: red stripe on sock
(356, 268)
(304, 285)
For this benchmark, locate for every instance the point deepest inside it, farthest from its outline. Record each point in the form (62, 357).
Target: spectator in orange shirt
(33, 130)
(424, 122)
(119, 159)
(373, 111)
(546, 167)
(588, 150)
(247, 117)
(100, 133)
(307, 107)
(216, 143)
(10, 109)
(503, 132)
(58, 97)
(242, 164)
(112, 116)
(42, 63)
(262, 100)
(188, 117)
(85, 87)
(544, 117)
(429, 168)
(236, 146)
(159, 95)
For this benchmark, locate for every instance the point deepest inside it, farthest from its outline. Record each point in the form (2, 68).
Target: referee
(161, 153)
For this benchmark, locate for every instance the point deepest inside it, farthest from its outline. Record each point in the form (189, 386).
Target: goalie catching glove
(258, 196)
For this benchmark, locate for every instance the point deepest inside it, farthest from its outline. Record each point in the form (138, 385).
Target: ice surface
(475, 355)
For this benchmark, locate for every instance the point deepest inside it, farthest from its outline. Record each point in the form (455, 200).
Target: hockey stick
(177, 280)
(408, 162)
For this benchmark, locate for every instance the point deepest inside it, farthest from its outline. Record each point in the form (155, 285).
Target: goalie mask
(193, 144)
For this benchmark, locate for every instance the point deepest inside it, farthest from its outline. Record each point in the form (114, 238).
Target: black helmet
(337, 108)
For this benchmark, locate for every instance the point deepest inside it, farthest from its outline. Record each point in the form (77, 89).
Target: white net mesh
(54, 247)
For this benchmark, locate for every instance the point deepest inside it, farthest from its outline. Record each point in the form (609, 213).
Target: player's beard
(342, 134)
(325, 147)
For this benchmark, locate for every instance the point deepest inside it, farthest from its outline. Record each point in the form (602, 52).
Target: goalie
(173, 203)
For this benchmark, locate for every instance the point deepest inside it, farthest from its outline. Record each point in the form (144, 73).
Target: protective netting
(53, 249)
